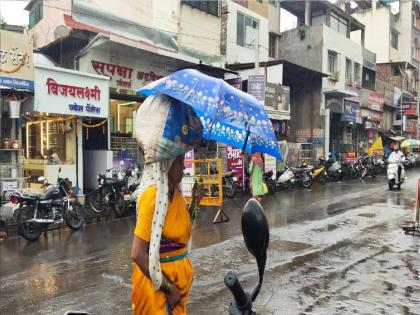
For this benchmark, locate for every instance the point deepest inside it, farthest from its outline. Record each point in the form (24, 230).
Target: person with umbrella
(256, 170)
(162, 275)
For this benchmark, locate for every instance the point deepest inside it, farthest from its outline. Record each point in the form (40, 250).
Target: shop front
(68, 108)
(16, 89)
(128, 70)
(373, 115)
(351, 119)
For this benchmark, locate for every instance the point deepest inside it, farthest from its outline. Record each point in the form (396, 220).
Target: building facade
(393, 33)
(150, 41)
(322, 42)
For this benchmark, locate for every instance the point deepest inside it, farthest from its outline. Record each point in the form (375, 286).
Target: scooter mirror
(256, 236)
(41, 179)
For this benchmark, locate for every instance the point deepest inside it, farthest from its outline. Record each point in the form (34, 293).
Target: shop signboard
(376, 116)
(235, 161)
(235, 82)
(376, 101)
(410, 108)
(334, 104)
(307, 136)
(277, 98)
(351, 156)
(189, 165)
(16, 63)
(349, 112)
(256, 87)
(270, 164)
(411, 125)
(69, 92)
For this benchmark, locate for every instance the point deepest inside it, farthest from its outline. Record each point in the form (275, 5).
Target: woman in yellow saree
(161, 284)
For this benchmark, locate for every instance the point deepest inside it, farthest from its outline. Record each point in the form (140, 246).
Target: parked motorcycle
(256, 236)
(285, 179)
(36, 212)
(368, 168)
(270, 182)
(410, 160)
(110, 192)
(229, 184)
(319, 174)
(333, 167)
(294, 176)
(130, 190)
(392, 174)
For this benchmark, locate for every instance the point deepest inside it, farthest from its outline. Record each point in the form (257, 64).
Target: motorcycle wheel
(96, 201)
(322, 179)
(74, 215)
(273, 187)
(230, 189)
(390, 186)
(29, 231)
(307, 183)
(120, 206)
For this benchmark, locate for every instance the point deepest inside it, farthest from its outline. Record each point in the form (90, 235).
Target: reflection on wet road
(334, 249)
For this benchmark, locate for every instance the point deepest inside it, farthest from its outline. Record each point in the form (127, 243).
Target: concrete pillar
(79, 154)
(327, 132)
(307, 12)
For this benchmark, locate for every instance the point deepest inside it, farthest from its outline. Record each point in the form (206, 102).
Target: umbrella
(228, 114)
(410, 143)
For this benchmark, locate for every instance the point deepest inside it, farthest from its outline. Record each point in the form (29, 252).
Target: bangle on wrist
(167, 286)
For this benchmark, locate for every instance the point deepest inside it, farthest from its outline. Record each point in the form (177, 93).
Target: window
(395, 70)
(210, 7)
(272, 45)
(394, 39)
(338, 24)
(349, 70)
(356, 72)
(246, 30)
(332, 63)
(36, 13)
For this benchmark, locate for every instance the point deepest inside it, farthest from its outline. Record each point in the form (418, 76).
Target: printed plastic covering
(166, 128)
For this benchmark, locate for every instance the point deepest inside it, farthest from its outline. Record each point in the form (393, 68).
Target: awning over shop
(397, 138)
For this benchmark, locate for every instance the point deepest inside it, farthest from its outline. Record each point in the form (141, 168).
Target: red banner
(235, 161)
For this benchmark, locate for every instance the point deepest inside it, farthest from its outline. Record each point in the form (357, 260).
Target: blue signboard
(17, 83)
(349, 111)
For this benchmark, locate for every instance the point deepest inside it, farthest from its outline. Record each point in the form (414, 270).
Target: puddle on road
(282, 245)
(367, 215)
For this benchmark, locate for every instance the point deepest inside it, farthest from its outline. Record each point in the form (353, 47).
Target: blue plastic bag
(166, 128)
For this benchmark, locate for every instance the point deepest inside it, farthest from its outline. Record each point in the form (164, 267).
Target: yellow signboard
(16, 63)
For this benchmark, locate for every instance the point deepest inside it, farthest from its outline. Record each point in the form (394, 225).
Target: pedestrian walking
(256, 180)
(162, 275)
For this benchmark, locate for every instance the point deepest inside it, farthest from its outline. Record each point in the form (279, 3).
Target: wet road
(334, 249)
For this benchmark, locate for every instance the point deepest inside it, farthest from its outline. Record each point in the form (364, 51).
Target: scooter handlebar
(243, 301)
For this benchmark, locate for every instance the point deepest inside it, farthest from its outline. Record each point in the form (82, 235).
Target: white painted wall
(345, 48)
(43, 31)
(274, 18)
(199, 30)
(405, 28)
(377, 32)
(378, 23)
(239, 54)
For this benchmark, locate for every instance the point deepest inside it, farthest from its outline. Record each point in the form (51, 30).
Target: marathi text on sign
(64, 89)
(80, 108)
